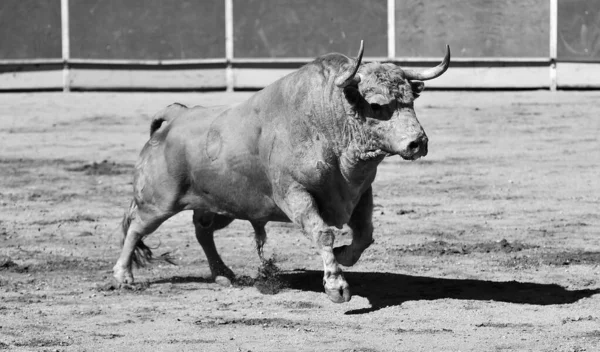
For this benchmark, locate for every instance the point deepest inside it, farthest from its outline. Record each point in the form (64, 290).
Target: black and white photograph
(300, 175)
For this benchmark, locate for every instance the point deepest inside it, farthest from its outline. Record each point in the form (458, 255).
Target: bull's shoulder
(310, 163)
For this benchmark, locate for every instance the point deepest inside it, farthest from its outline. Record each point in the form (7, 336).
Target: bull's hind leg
(206, 224)
(260, 237)
(137, 223)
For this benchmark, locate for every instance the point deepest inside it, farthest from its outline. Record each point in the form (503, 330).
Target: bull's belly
(240, 201)
(250, 208)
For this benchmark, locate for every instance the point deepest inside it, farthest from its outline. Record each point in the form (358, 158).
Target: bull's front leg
(302, 209)
(361, 225)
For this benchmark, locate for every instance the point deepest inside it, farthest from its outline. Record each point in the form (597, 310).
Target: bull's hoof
(221, 274)
(223, 281)
(122, 276)
(339, 296)
(336, 287)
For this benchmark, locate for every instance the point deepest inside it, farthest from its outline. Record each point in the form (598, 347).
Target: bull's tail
(142, 254)
(155, 124)
(164, 116)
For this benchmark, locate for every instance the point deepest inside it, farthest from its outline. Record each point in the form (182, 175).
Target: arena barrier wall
(247, 44)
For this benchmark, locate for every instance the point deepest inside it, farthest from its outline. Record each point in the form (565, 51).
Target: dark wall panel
(30, 29)
(308, 28)
(147, 29)
(473, 28)
(578, 30)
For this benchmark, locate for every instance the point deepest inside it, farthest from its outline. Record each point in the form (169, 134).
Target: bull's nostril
(413, 145)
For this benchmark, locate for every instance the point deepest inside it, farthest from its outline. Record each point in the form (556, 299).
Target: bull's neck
(359, 156)
(310, 101)
(359, 167)
(314, 103)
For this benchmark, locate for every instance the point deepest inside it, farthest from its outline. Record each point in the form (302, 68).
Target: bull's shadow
(388, 289)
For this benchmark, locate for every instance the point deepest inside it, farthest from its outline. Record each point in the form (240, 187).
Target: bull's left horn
(349, 77)
(430, 73)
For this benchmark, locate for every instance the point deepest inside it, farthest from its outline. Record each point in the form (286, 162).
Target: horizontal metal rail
(147, 62)
(32, 62)
(258, 61)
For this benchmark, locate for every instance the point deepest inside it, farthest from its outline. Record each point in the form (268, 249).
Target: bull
(305, 149)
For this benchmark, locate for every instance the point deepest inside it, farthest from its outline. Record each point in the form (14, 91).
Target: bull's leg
(302, 209)
(260, 237)
(206, 224)
(362, 231)
(137, 223)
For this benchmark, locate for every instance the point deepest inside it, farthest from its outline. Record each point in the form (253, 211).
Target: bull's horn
(430, 73)
(348, 78)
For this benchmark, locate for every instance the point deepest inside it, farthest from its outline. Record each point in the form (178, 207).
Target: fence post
(553, 42)
(64, 20)
(391, 28)
(229, 79)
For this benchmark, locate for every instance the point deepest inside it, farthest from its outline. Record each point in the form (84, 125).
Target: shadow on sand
(182, 280)
(387, 289)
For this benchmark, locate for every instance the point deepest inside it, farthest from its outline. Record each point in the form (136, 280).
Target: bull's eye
(376, 108)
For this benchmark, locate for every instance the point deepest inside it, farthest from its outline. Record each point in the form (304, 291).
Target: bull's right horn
(430, 73)
(349, 77)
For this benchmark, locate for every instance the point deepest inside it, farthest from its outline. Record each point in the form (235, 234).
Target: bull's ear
(417, 87)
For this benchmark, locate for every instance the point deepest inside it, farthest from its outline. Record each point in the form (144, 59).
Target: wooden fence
(246, 44)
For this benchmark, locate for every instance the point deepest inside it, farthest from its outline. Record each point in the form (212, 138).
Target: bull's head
(382, 97)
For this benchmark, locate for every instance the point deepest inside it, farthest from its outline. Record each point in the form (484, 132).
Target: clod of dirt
(109, 336)
(264, 322)
(40, 342)
(500, 246)
(268, 281)
(299, 305)
(423, 331)
(113, 286)
(103, 168)
(6, 263)
(574, 257)
(212, 322)
(571, 320)
(109, 286)
(445, 248)
(503, 325)
(523, 262)
(244, 281)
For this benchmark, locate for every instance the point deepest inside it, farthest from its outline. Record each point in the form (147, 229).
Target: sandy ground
(490, 243)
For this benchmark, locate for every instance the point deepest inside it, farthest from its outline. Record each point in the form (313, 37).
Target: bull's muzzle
(414, 148)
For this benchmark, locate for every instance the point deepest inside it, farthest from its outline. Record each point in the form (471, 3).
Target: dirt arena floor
(490, 243)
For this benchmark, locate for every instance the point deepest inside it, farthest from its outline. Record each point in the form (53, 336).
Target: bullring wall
(246, 44)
